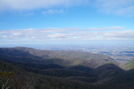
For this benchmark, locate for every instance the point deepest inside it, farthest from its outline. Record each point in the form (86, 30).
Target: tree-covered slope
(108, 76)
(129, 65)
(63, 58)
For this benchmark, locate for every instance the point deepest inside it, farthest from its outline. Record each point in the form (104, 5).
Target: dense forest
(26, 68)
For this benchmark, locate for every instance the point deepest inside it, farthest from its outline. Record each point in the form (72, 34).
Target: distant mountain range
(63, 58)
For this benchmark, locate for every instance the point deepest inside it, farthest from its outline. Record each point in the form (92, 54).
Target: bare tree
(15, 81)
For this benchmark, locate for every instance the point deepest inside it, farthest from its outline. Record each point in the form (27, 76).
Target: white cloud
(30, 33)
(59, 35)
(118, 7)
(107, 28)
(67, 34)
(126, 34)
(35, 4)
(51, 11)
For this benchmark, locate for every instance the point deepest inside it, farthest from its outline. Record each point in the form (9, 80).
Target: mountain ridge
(63, 58)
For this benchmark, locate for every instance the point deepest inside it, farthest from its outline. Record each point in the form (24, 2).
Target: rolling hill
(108, 76)
(62, 58)
(129, 65)
(64, 69)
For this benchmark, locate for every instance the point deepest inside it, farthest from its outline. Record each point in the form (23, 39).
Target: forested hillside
(22, 69)
(107, 76)
(63, 58)
(129, 65)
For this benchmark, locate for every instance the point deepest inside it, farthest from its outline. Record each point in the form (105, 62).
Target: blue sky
(66, 22)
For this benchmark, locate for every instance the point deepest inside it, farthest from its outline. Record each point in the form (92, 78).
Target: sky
(28, 22)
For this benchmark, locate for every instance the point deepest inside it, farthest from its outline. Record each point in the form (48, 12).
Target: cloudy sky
(66, 22)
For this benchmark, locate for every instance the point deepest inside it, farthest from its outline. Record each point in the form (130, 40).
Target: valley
(63, 69)
(121, 54)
